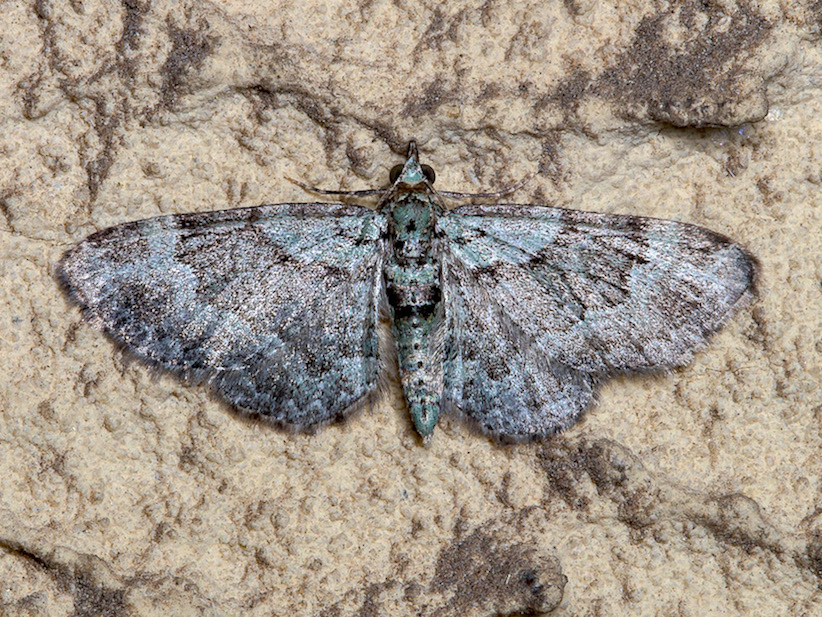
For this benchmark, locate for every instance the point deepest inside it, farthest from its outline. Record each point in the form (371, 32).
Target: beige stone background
(692, 493)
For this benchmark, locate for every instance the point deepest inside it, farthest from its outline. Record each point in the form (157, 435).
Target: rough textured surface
(689, 493)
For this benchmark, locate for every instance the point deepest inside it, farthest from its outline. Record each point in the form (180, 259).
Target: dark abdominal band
(410, 300)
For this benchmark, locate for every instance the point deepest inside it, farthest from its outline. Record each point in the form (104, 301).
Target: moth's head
(411, 176)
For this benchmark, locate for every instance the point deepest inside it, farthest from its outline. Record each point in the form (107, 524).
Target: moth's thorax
(411, 225)
(412, 274)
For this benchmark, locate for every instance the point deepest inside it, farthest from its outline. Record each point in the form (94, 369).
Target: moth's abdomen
(414, 295)
(420, 368)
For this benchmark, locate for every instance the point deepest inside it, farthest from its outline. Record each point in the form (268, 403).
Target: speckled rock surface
(692, 493)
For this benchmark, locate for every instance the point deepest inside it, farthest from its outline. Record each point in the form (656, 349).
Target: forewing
(575, 297)
(275, 305)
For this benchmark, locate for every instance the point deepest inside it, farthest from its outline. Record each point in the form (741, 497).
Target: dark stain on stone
(188, 458)
(615, 472)
(814, 554)
(484, 570)
(129, 42)
(433, 35)
(311, 107)
(72, 89)
(737, 520)
(56, 462)
(262, 100)
(416, 527)
(503, 493)
(568, 94)
(30, 88)
(359, 158)
(440, 29)
(734, 165)
(769, 195)
(550, 163)
(106, 123)
(110, 109)
(412, 592)
(324, 115)
(371, 606)
(694, 85)
(564, 471)
(46, 410)
(91, 597)
(481, 569)
(489, 91)
(189, 49)
(162, 531)
(5, 209)
(433, 95)
(486, 12)
(619, 476)
(330, 611)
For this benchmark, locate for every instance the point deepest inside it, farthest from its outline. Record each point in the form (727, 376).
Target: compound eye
(395, 172)
(429, 174)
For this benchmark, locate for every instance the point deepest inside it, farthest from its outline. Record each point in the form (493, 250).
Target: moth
(510, 316)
